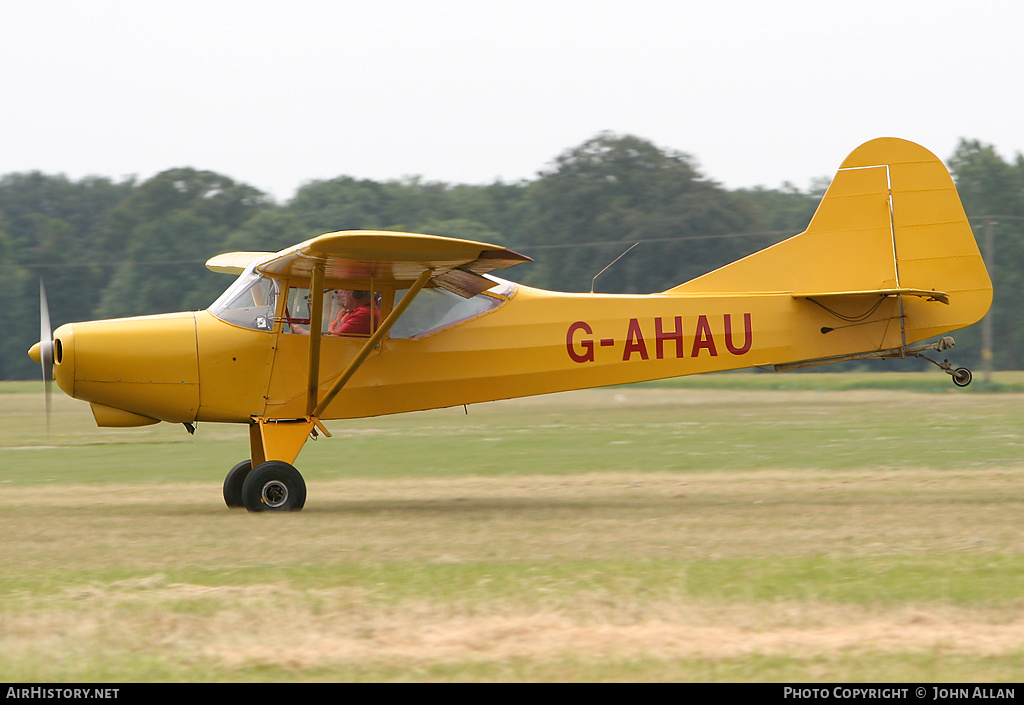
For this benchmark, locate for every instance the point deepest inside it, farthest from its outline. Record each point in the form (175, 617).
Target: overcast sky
(274, 93)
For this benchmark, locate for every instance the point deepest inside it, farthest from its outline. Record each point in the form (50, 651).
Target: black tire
(962, 377)
(233, 484)
(274, 486)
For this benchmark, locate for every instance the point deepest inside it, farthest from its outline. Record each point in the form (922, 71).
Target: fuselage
(195, 366)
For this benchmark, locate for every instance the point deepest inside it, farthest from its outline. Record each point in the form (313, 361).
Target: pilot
(355, 312)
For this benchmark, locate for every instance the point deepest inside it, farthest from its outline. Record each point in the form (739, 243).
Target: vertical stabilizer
(890, 219)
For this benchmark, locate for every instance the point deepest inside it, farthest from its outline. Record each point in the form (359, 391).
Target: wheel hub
(274, 493)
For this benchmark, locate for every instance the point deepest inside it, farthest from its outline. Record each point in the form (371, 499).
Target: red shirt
(355, 322)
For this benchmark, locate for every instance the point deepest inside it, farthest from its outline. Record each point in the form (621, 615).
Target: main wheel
(274, 486)
(233, 484)
(962, 377)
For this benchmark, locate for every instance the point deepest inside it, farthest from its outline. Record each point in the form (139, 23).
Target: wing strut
(282, 439)
(316, 316)
(373, 342)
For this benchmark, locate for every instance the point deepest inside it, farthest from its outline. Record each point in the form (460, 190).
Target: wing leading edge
(362, 257)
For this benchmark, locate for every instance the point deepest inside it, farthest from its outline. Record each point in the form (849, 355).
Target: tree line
(108, 249)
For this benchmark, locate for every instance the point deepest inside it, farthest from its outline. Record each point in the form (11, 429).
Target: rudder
(891, 220)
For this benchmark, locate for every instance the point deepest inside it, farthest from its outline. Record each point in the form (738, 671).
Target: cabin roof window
(434, 309)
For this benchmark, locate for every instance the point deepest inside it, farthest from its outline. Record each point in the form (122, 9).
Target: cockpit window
(435, 308)
(250, 302)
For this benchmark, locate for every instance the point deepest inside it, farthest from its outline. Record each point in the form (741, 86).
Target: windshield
(250, 302)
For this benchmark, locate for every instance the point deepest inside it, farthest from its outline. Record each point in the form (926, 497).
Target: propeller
(45, 349)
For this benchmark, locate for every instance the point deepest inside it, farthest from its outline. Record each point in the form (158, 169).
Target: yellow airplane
(887, 261)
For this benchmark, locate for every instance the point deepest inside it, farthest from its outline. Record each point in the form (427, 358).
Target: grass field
(705, 530)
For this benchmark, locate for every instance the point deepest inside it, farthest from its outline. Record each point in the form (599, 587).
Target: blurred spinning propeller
(42, 352)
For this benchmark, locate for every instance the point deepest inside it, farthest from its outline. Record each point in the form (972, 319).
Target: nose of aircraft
(64, 358)
(147, 365)
(63, 339)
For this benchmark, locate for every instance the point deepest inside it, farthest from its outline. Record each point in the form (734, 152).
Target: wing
(361, 258)
(234, 262)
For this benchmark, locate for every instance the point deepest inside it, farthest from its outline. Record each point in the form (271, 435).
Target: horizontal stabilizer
(927, 294)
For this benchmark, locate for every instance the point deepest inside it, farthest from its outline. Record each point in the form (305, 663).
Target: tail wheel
(274, 486)
(962, 377)
(233, 484)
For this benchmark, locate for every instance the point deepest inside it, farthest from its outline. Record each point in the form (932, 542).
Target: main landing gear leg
(269, 481)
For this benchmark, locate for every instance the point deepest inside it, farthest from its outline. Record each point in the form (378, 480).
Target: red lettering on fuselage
(676, 334)
(634, 341)
(703, 338)
(586, 346)
(748, 335)
(668, 337)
